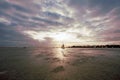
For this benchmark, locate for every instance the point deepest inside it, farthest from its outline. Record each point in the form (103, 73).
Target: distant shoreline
(74, 46)
(96, 46)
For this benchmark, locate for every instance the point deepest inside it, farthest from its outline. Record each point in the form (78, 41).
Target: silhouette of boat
(63, 47)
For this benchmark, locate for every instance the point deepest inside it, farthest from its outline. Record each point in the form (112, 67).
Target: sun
(62, 36)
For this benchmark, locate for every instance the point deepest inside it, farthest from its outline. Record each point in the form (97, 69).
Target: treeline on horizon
(95, 46)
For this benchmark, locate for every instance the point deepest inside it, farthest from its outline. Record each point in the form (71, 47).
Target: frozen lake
(59, 64)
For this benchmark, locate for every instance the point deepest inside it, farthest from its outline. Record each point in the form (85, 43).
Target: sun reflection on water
(60, 53)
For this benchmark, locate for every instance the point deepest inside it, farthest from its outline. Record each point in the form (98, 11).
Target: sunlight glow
(70, 36)
(56, 36)
(62, 36)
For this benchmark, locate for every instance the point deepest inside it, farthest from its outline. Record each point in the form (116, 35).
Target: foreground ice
(59, 64)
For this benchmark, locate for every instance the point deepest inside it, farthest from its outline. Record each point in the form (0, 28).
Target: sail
(63, 47)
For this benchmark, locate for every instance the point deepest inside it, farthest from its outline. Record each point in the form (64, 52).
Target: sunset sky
(54, 22)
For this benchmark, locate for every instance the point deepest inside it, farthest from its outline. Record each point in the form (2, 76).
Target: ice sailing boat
(63, 46)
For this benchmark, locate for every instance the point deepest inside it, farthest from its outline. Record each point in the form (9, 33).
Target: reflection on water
(60, 53)
(59, 64)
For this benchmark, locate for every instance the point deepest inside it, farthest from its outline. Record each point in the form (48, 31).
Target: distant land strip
(95, 46)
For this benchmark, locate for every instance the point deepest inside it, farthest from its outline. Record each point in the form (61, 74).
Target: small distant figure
(63, 47)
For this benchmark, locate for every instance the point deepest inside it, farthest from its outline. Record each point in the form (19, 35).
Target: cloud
(87, 20)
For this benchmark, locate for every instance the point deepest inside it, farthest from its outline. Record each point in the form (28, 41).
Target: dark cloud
(49, 22)
(13, 37)
(103, 5)
(52, 15)
(4, 5)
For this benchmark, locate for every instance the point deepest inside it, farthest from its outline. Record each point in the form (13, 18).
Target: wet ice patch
(58, 69)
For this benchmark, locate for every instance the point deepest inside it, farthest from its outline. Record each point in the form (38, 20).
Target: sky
(54, 22)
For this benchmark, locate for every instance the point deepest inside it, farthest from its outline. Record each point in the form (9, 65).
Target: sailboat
(63, 47)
